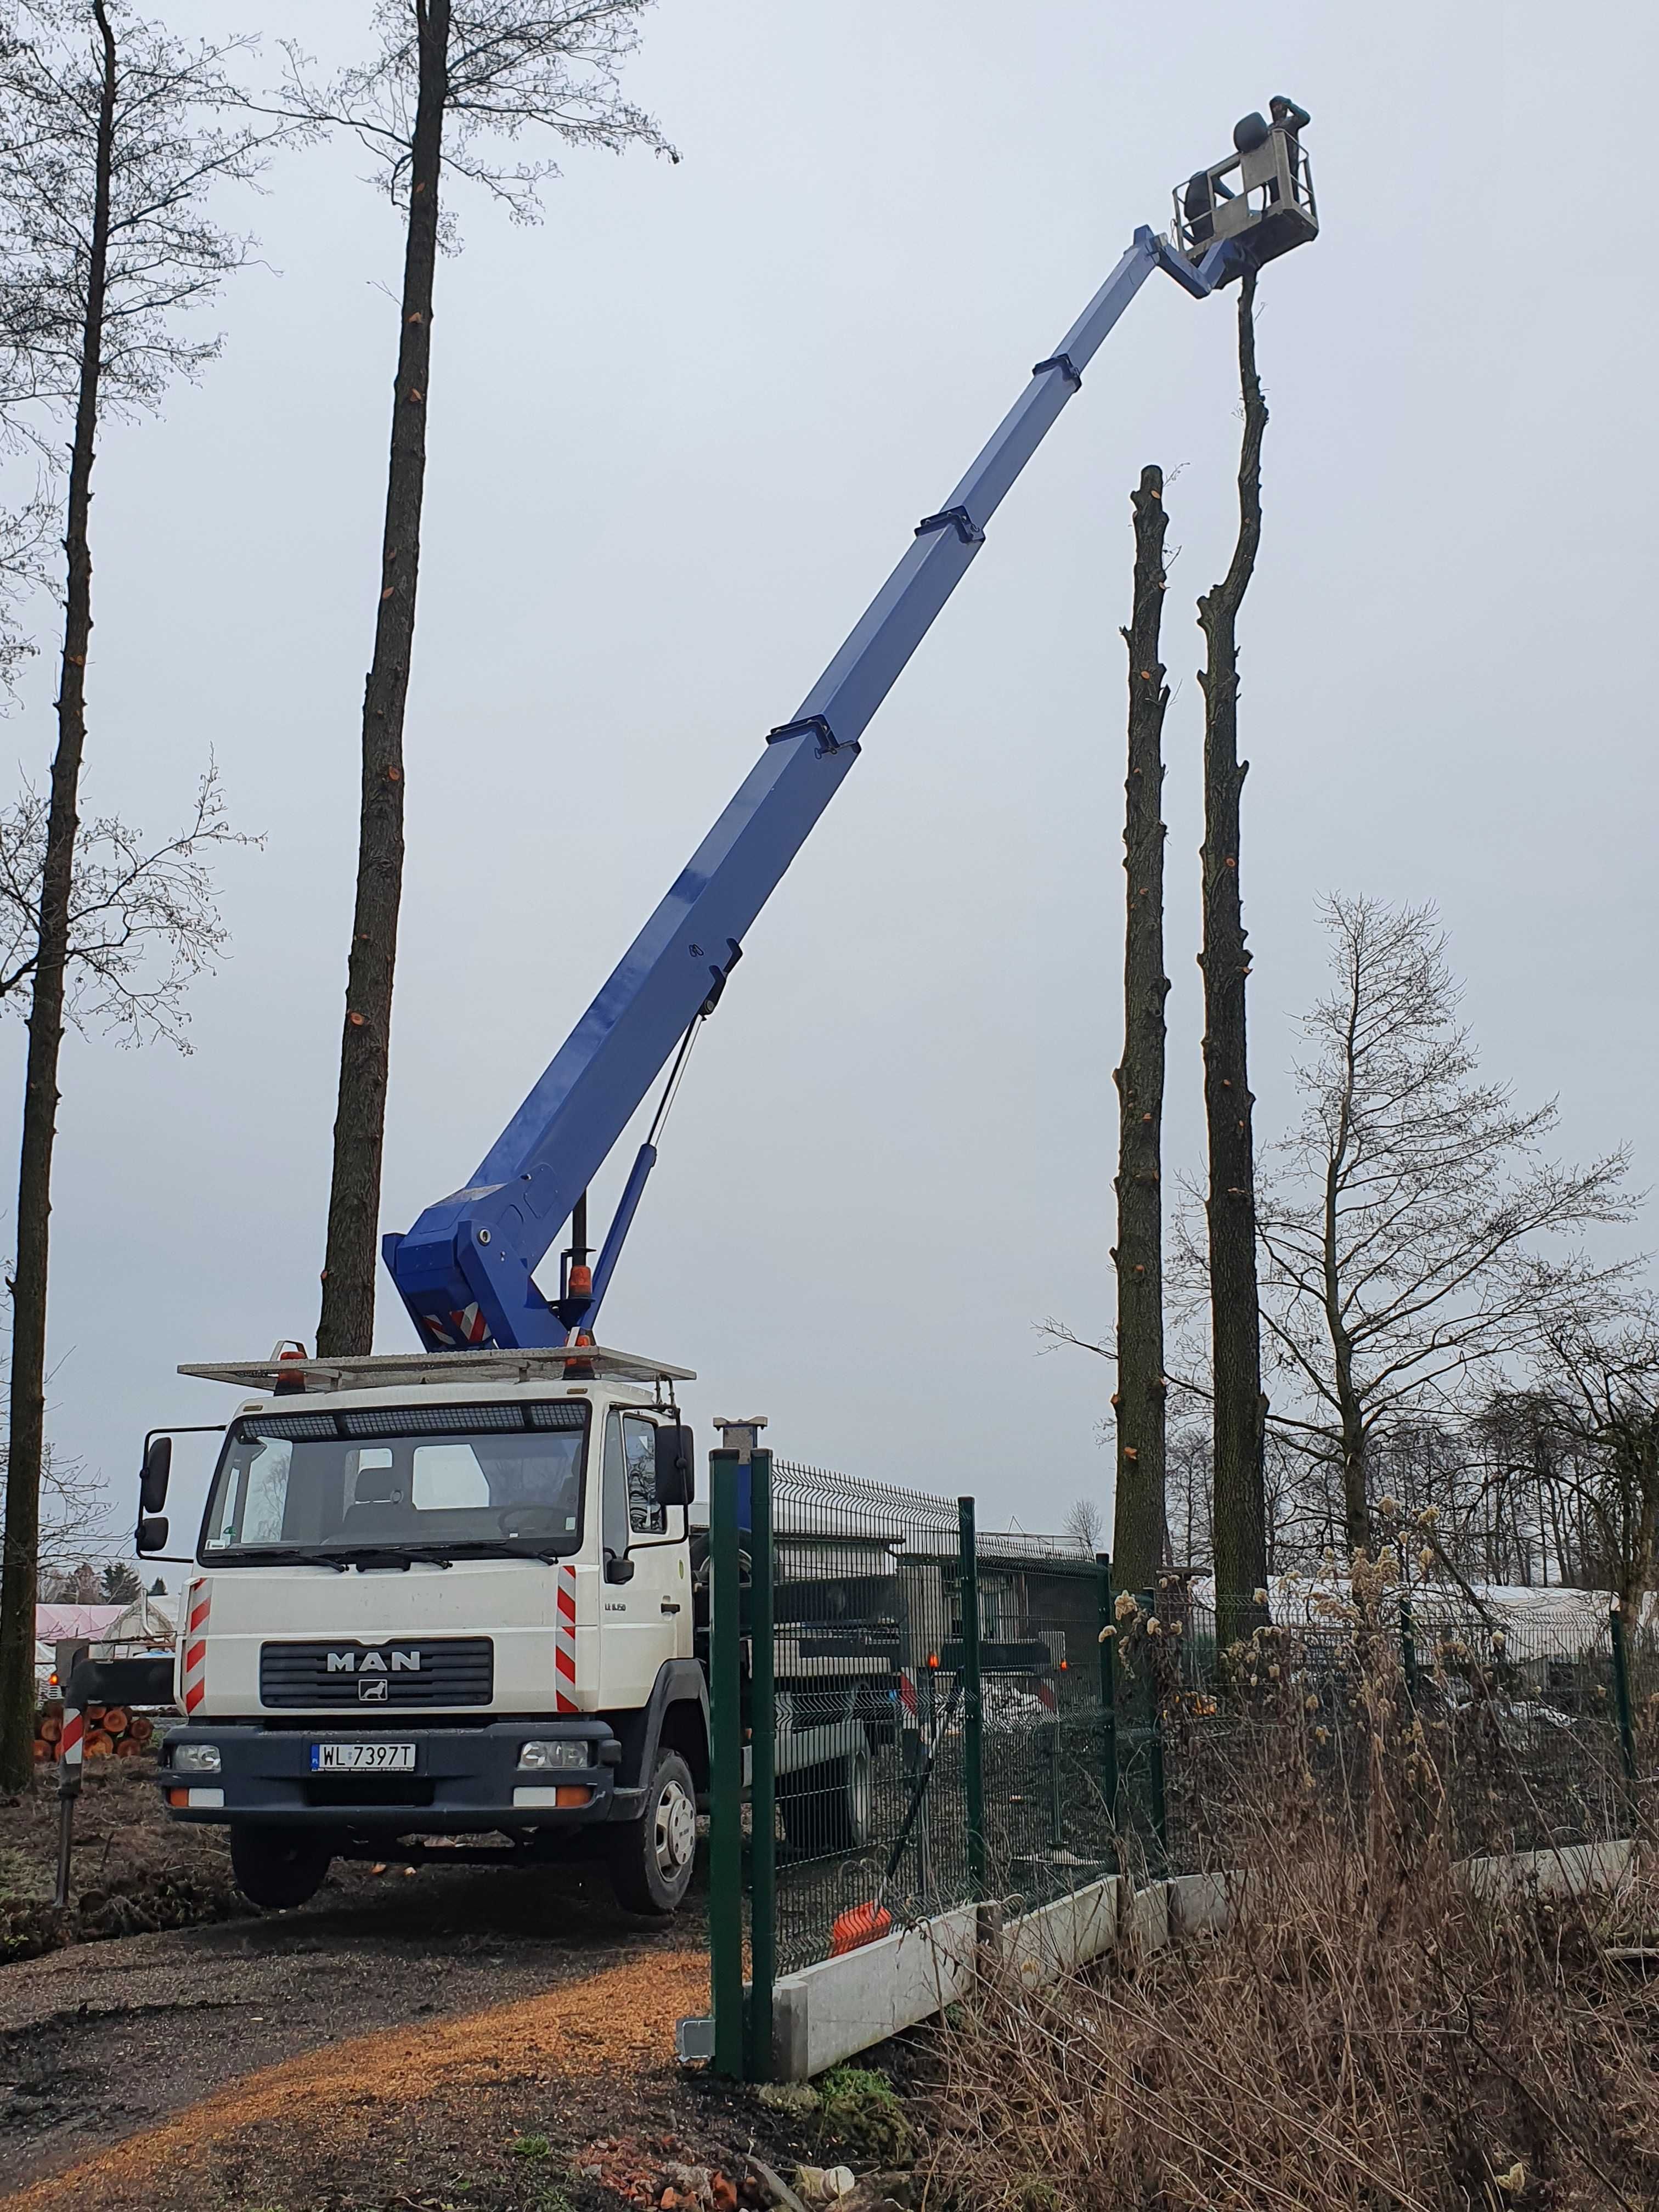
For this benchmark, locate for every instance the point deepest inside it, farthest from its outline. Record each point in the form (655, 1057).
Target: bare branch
(516, 68)
(144, 918)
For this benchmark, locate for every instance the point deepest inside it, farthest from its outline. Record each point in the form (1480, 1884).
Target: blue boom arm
(465, 1270)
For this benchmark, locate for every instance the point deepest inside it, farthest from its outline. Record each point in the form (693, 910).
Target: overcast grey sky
(678, 434)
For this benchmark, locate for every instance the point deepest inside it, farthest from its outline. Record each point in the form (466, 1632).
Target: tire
(278, 1868)
(651, 1858)
(830, 1808)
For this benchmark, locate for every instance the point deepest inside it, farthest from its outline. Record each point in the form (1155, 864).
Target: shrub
(860, 2111)
(1375, 2027)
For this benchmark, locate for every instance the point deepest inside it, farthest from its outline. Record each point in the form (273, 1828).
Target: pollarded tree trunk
(1240, 1518)
(347, 1322)
(26, 1439)
(1139, 1527)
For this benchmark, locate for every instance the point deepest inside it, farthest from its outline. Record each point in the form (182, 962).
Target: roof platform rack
(384, 1371)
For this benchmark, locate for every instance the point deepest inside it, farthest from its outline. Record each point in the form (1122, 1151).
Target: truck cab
(445, 1597)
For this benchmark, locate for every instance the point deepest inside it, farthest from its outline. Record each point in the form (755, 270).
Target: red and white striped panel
(71, 1743)
(470, 1325)
(196, 1604)
(564, 1643)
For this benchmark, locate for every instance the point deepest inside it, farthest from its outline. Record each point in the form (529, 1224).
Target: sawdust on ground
(619, 2020)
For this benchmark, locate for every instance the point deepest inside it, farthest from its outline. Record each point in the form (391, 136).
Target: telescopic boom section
(465, 1270)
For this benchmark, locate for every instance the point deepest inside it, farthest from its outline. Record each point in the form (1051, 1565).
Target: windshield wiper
(510, 1547)
(355, 1555)
(401, 1556)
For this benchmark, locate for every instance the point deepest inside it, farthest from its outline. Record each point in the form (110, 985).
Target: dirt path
(312, 2121)
(108, 2041)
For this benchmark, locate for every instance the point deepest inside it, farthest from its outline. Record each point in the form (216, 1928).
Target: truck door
(645, 1619)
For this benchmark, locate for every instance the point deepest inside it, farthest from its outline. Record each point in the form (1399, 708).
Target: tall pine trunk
(27, 1441)
(1138, 1534)
(347, 1322)
(1240, 1507)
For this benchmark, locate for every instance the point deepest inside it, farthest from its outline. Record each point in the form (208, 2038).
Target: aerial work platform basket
(1261, 194)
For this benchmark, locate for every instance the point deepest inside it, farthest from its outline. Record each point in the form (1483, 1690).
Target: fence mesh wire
(1143, 1754)
(867, 1664)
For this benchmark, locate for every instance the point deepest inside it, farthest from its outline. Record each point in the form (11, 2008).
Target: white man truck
(455, 1605)
(454, 1595)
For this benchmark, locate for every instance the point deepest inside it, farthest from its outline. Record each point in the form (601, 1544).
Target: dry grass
(1367, 2033)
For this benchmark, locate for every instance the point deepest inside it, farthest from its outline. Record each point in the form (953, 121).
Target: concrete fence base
(831, 2011)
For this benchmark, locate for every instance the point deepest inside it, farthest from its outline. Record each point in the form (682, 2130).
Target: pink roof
(57, 1624)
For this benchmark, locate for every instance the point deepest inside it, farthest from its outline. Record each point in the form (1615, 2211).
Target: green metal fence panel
(947, 1722)
(1046, 1800)
(868, 1723)
(1516, 1713)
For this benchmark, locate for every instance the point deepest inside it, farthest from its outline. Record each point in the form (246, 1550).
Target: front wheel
(277, 1868)
(651, 1858)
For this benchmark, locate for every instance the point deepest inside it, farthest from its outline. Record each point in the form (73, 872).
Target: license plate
(362, 1758)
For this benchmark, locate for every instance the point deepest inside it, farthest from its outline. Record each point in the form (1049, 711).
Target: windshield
(415, 1480)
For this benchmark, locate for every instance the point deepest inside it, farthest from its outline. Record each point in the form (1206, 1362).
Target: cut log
(140, 1728)
(126, 1747)
(42, 1752)
(50, 1729)
(97, 1745)
(116, 1718)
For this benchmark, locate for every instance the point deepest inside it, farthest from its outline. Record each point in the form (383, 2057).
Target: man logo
(373, 1662)
(372, 1690)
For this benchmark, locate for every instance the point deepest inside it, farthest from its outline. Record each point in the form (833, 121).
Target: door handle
(670, 1606)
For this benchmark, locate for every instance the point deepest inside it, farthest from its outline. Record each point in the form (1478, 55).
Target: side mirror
(153, 1475)
(617, 1570)
(677, 1479)
(152, 1533)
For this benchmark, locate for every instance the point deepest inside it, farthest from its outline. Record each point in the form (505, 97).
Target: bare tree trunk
(347, 1322)
(27, 1441)
(1137, 1536)
(1356, 1503)
(1240, 1531)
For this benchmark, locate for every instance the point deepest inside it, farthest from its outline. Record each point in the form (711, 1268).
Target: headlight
(553, 1758)
(196, 1759)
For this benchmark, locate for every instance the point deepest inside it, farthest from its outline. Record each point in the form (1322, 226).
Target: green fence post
(1148, 1602)
(973, 1717)
(1621, 1693)
(1408, 1649)
(725, 1767)
(762, 1797)
(1108, 1695)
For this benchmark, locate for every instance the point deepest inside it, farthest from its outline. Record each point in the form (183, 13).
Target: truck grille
(379, 1678)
